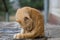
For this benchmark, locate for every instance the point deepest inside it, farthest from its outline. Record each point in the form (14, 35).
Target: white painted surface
(54, 7)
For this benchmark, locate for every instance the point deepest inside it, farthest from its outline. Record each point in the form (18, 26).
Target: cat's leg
(25, 35)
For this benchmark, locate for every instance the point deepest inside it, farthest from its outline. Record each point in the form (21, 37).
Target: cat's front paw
(18, 36)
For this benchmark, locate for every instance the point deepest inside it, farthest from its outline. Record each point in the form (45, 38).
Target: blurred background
(8, 7)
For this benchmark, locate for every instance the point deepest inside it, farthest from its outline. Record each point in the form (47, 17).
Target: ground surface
(8, 29)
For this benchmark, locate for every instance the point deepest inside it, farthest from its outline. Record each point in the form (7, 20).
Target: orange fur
(31, 21)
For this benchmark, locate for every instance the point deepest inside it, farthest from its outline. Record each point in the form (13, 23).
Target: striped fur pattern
(31, 21)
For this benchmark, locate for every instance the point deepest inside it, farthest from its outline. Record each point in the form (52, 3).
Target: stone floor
(8, 29)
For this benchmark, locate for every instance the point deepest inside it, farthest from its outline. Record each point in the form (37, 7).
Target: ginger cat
(32, 21)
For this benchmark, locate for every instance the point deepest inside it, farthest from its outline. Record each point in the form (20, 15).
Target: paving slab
(8, 29)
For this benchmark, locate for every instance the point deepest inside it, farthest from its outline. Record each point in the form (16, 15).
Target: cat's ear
(26, 19)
